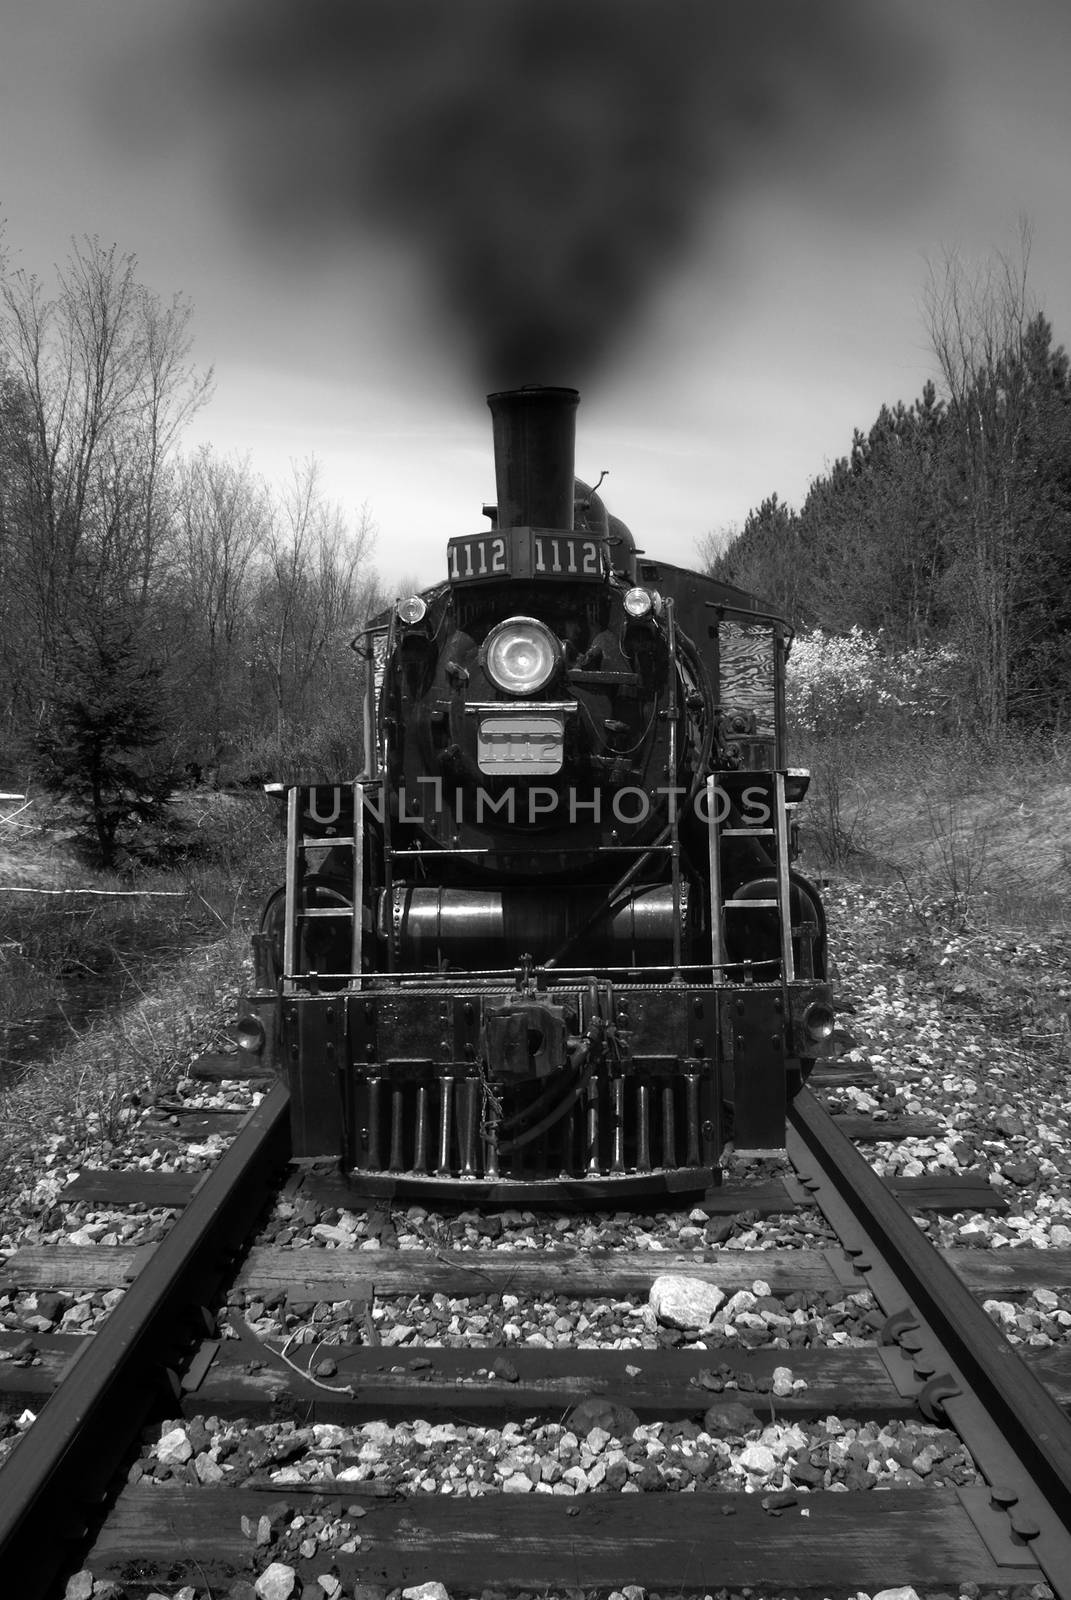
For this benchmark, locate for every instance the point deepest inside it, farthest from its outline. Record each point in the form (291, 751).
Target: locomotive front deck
(502, 1084)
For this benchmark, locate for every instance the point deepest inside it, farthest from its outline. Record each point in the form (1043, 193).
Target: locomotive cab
(552, 935)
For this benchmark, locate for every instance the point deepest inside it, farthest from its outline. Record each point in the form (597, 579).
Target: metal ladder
(781, 903)
(298, 846)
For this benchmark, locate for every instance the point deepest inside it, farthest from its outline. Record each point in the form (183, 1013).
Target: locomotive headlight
(638, 603)
(413, 610)
(521, 655)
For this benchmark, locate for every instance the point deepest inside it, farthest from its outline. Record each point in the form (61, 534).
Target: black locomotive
(551, 937)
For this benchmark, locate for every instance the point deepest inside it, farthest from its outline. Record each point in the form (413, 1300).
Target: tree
(950, 518)
(871, 529)
(978, 325)
(103, 385)
(763, 558)
(230, 599)
(220, 518)
(312, 594)
(1039, 681)
(97, 745)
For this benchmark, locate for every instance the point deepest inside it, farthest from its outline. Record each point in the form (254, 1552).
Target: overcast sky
(343, 215)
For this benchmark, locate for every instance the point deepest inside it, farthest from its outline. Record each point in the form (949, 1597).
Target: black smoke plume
(547, 160)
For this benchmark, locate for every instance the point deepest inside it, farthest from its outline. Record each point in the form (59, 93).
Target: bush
(838, 684)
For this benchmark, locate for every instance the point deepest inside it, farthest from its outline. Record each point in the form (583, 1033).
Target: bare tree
(978, 323)
(312, 581)
(220, 518)
(105, 384)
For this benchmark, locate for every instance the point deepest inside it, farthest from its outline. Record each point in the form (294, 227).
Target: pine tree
(98, 747)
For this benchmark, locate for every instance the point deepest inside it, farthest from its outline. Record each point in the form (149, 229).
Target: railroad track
(179, 1349)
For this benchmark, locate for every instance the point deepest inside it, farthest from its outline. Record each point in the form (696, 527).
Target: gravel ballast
(968, 1030)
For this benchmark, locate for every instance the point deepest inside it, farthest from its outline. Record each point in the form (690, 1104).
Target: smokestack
(535, 448)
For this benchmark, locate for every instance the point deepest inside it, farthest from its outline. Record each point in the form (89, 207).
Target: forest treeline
(162, 611)
(949, 522)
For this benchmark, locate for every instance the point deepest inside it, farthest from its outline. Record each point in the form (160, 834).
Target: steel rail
(966, 1371)
(62, 1467)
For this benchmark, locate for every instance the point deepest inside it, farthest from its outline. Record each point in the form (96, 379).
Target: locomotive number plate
(487, 556)
(520, 746)
(526, 553)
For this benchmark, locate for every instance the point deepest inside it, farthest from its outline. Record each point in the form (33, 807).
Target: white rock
(332, 1235)
(783, 1438)
(207, 1470)
(330, 1585)
(328, 1435)
(906, 1593)
(276, 1582)
(682, 1302)
(1001, 1311)
(174, 1448)
(517, 1483)
(401, 1333)
(425, 1591)
(742, 1300)
(757, 1459)
(783, 1382)
(80, 1587)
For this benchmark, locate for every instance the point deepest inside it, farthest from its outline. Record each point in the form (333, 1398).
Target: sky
(716, 220)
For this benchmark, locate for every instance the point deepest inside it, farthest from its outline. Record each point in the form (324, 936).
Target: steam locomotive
(551, 940)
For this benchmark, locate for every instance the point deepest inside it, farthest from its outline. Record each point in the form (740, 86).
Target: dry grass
(79, 1101)
(175, 964)
(976, 837)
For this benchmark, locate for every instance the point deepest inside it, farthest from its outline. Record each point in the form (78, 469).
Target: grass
(963, 855)
(975, 836)
(172, 958)
(77, 1103)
